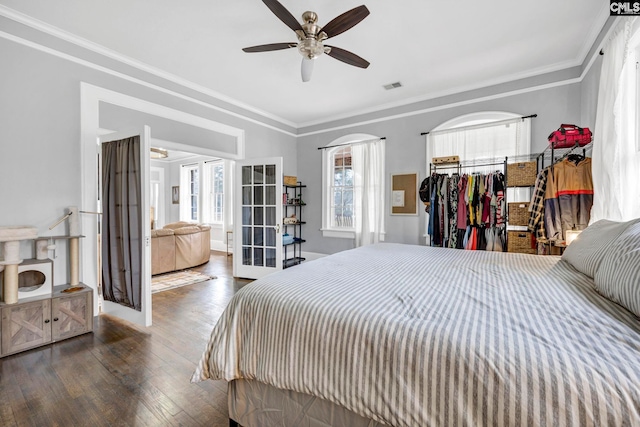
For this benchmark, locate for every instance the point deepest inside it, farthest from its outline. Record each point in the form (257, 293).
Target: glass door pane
(260, 226)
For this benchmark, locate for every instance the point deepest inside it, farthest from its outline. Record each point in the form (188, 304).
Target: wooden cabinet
(25, 325)
(43, 320)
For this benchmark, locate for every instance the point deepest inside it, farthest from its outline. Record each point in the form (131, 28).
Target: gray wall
(40, 164)
(40, 130)
(406, 152)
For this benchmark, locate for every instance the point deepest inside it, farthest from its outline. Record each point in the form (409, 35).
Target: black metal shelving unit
(293, 203)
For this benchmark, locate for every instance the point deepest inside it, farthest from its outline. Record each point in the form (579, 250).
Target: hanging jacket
(568, 198)
(536, 217)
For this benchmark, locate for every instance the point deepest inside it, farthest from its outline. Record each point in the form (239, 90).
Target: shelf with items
(292, 204)
(551, 155)
(522, 172)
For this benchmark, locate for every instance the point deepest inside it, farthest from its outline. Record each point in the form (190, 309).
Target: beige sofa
(179, 245)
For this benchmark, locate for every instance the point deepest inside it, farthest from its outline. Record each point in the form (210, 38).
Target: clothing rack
(550, 152)
(469, 164)
(457, 168)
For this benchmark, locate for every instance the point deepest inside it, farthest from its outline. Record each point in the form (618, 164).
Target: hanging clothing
(464, 211)
(536, 217)
(569, 197)
(453, 211)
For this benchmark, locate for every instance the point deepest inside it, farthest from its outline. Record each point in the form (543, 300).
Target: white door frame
(144, 316)
(90, 97)
(239, 268)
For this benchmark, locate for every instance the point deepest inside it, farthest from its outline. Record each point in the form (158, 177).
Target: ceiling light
(159, 153)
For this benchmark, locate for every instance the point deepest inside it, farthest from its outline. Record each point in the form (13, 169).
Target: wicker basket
(519, 213)
(290, 180)
(522, 174)
(520, 242)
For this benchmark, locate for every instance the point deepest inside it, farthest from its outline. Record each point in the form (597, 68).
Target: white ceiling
(432, 48)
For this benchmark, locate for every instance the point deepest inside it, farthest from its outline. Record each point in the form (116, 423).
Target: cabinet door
(25, 326)
(71, 315)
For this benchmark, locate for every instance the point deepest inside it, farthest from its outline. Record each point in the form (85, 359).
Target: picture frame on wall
(175, 195)
(404, 194)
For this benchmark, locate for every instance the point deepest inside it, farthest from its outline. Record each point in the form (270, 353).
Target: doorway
(91, 99)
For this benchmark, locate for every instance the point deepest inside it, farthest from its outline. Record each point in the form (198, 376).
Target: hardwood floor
(123, 375)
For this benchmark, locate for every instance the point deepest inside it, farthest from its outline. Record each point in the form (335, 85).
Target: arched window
(353, 188)
(486, 134)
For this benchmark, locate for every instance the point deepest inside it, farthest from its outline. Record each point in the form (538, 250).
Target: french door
(258, 217)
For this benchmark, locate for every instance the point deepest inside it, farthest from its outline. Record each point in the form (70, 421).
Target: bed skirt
(255, 404)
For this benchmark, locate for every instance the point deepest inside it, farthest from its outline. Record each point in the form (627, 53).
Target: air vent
(393, 85)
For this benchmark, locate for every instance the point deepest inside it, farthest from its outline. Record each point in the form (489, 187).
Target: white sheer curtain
(488, 140)
(616, 161)
(368, 161)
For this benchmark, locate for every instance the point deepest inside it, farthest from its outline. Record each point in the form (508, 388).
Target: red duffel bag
(569, 135)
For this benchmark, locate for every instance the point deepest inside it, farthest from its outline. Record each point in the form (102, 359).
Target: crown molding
(101, 50)
(51, 30)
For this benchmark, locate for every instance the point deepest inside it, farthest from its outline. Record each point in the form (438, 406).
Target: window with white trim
(353, 201)
(486, 134)
(342, 188)
(190, 193)
(213, 211)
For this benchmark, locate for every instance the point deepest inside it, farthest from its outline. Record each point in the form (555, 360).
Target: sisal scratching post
(74, 246)
(10, 290)
(42, 250)
(74, 221)
(74, 255)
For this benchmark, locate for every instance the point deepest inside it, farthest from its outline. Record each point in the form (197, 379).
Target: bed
(403, 335)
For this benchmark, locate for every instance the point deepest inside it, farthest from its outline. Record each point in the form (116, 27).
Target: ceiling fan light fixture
(306, 69)
(310, 48)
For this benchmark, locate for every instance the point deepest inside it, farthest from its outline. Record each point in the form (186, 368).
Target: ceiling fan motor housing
(310, 43)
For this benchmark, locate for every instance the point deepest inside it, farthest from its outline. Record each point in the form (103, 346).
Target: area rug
(164, 282)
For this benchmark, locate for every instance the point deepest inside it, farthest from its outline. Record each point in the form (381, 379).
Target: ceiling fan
(311, 36)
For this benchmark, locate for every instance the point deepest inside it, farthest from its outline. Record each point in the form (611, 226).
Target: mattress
(418, 336)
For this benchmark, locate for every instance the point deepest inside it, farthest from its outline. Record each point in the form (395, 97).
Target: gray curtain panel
(121, 222)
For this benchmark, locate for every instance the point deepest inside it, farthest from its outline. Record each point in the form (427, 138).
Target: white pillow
(586, 252)
(618, 277)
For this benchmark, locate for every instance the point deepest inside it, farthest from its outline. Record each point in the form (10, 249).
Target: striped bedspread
(418, 336)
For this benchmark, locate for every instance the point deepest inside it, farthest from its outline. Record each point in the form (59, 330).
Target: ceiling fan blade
(269, 47)
(345, 21)
(306, 69)
(347, 57)
(283, 14)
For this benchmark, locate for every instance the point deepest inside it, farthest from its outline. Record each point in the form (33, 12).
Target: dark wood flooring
(124, 375)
